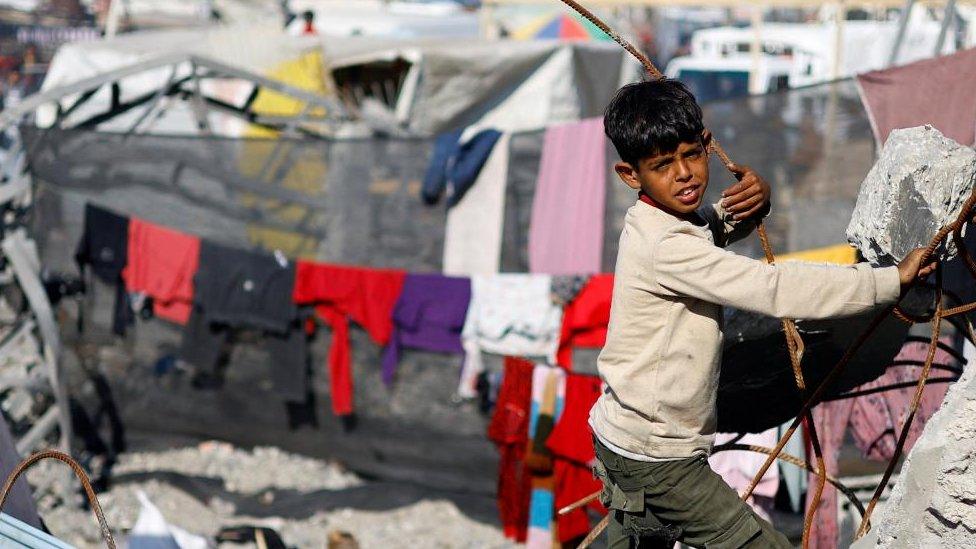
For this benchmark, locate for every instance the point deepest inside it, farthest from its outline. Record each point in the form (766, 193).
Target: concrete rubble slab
(917, 186)
(932, 504)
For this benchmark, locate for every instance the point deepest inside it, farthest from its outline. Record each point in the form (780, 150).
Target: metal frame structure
(319, 117)
(186, 74)
(949, 16)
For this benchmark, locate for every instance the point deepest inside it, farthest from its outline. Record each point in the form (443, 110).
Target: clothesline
(211, 290)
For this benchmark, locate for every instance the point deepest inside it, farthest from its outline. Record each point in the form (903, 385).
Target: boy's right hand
(911, 269)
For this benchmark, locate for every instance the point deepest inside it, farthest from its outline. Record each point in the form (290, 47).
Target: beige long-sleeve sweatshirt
(663, 350)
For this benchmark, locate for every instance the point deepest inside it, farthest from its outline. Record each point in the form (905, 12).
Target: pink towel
(566, 230)
(738, 467)
(935, 91)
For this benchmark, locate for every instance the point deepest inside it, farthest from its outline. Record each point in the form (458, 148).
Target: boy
(655, 423)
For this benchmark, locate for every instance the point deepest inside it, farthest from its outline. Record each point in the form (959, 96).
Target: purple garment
(429, 316)
(566, 229)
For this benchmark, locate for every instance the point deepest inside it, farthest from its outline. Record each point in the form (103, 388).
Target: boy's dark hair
(648, 118)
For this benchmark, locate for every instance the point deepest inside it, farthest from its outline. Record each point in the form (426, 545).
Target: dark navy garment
(454, 166)
(104, 248)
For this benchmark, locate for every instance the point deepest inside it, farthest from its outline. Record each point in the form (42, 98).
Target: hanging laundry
(243, 288)
(509, 314)
(794, 478)
(565, 288)
(739, 467)
(585, 319)
(875, 420)
(341, 293)
(571, 444)
(429, 315)
(454, 166)
(566, 230)
(161, 264)
(240, 289)
(104, 248)
(548, 399)
(936, 91)
(473, 231)
(509, 430)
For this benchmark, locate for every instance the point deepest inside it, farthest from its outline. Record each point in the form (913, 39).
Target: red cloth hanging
(509, 430)
(161, 263)
(585, 319)
(340, 293)
(571, 444)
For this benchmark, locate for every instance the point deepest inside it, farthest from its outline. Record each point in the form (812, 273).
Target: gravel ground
(242, 471)
(427, 523)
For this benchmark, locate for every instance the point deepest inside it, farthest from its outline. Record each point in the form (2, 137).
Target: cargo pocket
(745, 528)
(629, 508)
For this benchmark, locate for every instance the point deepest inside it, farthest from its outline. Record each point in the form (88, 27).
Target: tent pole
(906, 14)
(947, 17)
(755, 51)
(839, 16)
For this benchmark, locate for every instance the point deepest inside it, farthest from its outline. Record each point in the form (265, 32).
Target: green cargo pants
(655, 504)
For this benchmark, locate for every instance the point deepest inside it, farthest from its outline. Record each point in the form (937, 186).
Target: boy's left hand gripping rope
(794, 342)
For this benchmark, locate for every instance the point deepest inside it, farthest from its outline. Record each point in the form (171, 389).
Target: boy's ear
(627, 174)
(706, 139)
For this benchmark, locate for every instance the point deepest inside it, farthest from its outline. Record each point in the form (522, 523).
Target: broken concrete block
(916, 187)
(931, 505)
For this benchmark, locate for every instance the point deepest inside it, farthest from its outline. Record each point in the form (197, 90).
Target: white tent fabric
(255, 48)
(451, 83)
(508, 85)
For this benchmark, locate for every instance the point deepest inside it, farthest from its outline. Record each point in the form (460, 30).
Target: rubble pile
(427, 523)
(917, 186)
(932, 504)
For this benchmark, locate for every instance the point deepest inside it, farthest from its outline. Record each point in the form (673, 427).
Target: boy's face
(675, 180)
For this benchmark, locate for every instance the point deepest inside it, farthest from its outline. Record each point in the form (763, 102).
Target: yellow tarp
(841, 254)
(306, 174)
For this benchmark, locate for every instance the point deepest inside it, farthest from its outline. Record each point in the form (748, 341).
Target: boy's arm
(685, 264)
(742, 205)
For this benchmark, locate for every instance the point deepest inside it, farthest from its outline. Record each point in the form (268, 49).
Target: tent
(260, 49)
(562, 27)
(429, 85)
(509, 85)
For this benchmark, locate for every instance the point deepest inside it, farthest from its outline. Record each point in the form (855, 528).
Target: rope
(799, 462)
(788, 458)
(913, 409)
(964, 215)
(794, 342)
(79, 472)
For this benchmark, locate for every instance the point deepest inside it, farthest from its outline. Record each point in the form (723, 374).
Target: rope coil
(78, 471)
